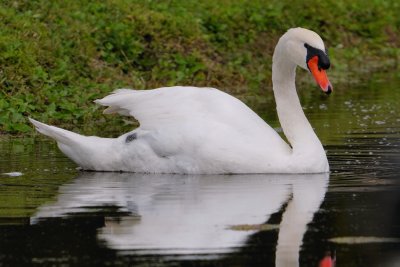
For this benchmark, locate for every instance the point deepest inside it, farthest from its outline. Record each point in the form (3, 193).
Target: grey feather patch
(130, 138)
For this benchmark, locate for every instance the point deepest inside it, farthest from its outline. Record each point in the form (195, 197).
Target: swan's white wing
(159, 107)
(199, 127)
(174, 106)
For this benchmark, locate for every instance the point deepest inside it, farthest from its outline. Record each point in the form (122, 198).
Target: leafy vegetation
(56, 57)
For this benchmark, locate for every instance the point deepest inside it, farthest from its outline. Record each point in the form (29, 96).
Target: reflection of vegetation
(254, 227)
(20, 196)
(364, 110)
(363, 240)
(57, 56)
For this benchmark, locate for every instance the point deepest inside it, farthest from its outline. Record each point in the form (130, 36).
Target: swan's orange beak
(319, 75)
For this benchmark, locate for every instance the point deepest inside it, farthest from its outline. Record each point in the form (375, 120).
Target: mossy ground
(56, 57)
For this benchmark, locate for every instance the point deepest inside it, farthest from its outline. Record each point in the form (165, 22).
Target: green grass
(56, 57)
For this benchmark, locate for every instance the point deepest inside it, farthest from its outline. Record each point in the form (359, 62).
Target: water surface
(53, 214)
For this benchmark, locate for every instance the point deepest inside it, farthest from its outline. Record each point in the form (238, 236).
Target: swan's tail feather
(89, 152)
(58, 134)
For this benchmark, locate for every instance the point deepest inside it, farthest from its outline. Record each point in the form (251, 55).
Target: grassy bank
(56, 57)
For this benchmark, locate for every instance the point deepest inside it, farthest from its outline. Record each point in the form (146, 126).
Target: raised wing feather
(182, 116)
(171, 106)
(150, 107)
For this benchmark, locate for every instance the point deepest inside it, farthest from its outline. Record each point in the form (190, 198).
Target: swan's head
(307, 50)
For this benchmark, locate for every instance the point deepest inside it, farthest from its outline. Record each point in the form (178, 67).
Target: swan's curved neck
(294, 123)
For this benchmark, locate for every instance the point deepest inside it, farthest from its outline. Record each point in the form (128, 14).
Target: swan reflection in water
(184, 214)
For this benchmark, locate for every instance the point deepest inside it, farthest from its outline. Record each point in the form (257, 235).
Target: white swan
(204, 130)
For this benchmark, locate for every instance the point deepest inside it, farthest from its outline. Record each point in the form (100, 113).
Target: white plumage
(204, 130)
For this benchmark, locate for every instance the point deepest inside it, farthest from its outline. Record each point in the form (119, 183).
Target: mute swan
(204, 130)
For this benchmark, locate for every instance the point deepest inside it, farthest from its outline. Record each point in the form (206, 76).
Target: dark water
(53, 215)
